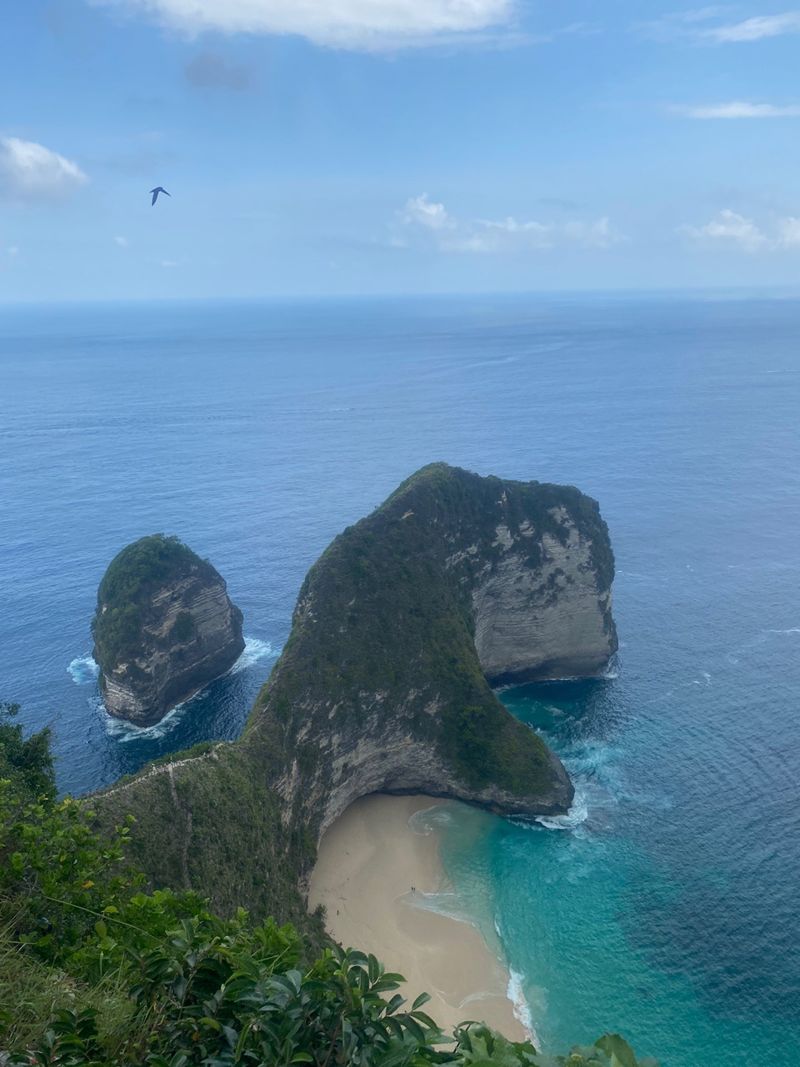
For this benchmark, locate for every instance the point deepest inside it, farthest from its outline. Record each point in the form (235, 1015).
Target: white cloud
(730, 228)
(12, 251)
(29, 171)
(168, 264)
(422, 211)
(789, 232)
(679, 25)
(738, 109)
(757, 28)
(734, 230)
(121, 242)
(597, 234)
(432, 221)
(339, 23)
(712, 25)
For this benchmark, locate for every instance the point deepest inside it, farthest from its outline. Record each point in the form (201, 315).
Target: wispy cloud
(121, 242)
(678, 25)
(757, 28)
(737, 109)
(713, 25)
(31, 172)
(731, 229)
(209, 70)
(427, 218)
(359, 24)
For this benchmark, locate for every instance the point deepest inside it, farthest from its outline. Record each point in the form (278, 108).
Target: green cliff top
(124, 594)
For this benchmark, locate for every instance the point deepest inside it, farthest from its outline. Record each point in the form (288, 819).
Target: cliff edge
(164, 628)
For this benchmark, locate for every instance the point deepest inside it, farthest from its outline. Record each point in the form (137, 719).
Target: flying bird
(158, 189)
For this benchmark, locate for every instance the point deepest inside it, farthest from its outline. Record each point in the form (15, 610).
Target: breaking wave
(255, 650)
(577, 814)
(522, 1011)
(83, 670)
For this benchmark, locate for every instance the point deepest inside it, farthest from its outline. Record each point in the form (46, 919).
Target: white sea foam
(791, 630)
(577, 814)
(522, 1009)
(254, 652)
(124, 731)
(83, 670)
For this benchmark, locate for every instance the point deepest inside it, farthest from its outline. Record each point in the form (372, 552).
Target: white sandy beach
(368, 862)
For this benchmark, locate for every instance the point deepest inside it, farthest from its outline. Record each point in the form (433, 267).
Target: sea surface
(667, 904)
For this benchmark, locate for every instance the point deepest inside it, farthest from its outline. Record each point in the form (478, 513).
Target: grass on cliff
(197, 814)
(122, 597)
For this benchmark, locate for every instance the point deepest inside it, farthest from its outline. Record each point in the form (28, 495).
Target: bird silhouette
(158, 189)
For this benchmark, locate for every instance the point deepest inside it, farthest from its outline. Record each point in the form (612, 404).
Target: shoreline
(372, 875)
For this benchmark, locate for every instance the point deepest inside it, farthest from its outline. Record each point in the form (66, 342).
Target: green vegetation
(97, 972)
(477, 741)
(29, 762)
(123, 596)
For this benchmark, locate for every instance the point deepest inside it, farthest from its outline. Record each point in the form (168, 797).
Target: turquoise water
(668, 904)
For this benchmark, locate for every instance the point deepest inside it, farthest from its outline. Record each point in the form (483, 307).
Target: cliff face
(163, 629)
(543, 621)
(383, 685)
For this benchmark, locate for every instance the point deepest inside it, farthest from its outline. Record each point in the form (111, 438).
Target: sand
(368, 862)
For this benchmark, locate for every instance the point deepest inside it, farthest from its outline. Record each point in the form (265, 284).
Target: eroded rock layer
(164, 628)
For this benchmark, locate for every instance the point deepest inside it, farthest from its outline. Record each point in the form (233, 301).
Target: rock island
(163, 629)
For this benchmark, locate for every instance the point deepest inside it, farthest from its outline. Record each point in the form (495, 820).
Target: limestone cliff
(384, 684)
(454, 582)
(164, 628)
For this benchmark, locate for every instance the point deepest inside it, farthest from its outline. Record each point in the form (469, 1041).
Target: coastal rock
(163, 629)
(384, 685)
(456, 582)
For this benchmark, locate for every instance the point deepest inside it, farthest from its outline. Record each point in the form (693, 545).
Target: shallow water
(667, 905)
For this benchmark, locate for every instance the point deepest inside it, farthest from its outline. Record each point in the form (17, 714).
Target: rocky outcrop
(552, 620)
(384, 685)
(164, 628)
(455, 582)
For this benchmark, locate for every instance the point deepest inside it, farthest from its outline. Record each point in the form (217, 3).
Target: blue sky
(393, 146)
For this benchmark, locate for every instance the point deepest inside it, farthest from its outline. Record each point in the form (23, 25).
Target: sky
(326, 147)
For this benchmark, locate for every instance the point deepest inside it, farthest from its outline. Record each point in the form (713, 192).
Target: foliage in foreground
(94, 972)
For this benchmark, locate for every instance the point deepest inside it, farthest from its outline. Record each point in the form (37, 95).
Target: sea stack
(163, 629)
(457, 583)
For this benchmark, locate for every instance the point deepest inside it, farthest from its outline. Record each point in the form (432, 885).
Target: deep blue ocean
(667, 905)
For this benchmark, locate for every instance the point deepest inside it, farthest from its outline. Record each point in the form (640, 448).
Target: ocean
(667, 904)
